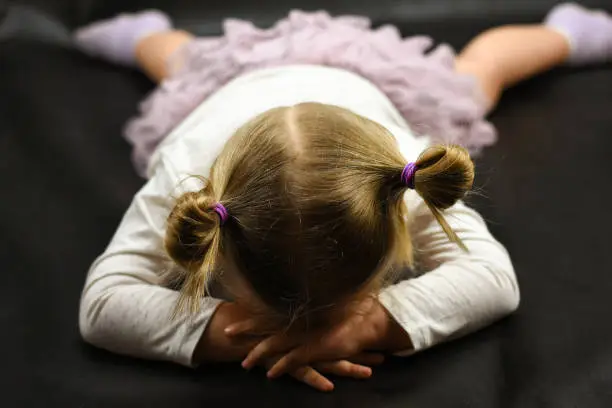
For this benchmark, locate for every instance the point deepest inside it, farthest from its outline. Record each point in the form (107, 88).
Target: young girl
(293, 173)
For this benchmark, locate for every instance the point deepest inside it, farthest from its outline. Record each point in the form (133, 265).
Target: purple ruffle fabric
(423, 85)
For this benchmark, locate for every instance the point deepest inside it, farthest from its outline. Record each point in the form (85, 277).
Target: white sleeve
(463, 291)
(123, 309)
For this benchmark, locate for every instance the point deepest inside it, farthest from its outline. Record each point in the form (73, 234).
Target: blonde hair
(315, 198)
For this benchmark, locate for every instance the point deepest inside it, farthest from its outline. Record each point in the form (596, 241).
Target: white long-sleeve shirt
(124, 309)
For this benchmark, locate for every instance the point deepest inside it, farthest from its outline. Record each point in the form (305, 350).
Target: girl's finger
(368, 359)
(307, 353)
(304, 355)
(312, 377)
(248, 326)
(272, 346)
(298, 357)
(344, 368)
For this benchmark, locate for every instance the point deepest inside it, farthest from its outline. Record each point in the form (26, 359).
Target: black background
(66, 178)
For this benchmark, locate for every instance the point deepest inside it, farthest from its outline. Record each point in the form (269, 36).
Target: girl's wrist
(391, 335)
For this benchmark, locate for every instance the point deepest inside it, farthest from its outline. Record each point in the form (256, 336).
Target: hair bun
(190, 228)
(193, 241)
(445, 174)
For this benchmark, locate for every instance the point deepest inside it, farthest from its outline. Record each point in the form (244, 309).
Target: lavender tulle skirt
(423, 85)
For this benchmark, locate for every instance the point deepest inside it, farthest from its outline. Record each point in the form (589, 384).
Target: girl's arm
(123, 309)
(463, 291)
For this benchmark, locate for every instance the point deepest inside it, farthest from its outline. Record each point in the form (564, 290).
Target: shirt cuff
(403, 317)
(193, 330)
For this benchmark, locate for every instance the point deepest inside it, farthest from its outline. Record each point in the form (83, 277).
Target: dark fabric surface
(207, 14)
(66, 179)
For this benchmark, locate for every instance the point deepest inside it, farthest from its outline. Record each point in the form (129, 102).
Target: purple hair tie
(408, 174)
(222, 212)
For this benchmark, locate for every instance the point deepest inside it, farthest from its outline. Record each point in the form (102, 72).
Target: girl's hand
(216, 345)
(313, 375)
(369, 328)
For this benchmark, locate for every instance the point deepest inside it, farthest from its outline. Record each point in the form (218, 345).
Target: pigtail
(444, 175)
(193, 241)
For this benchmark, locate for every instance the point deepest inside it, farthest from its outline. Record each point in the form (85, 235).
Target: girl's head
(316, 214)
